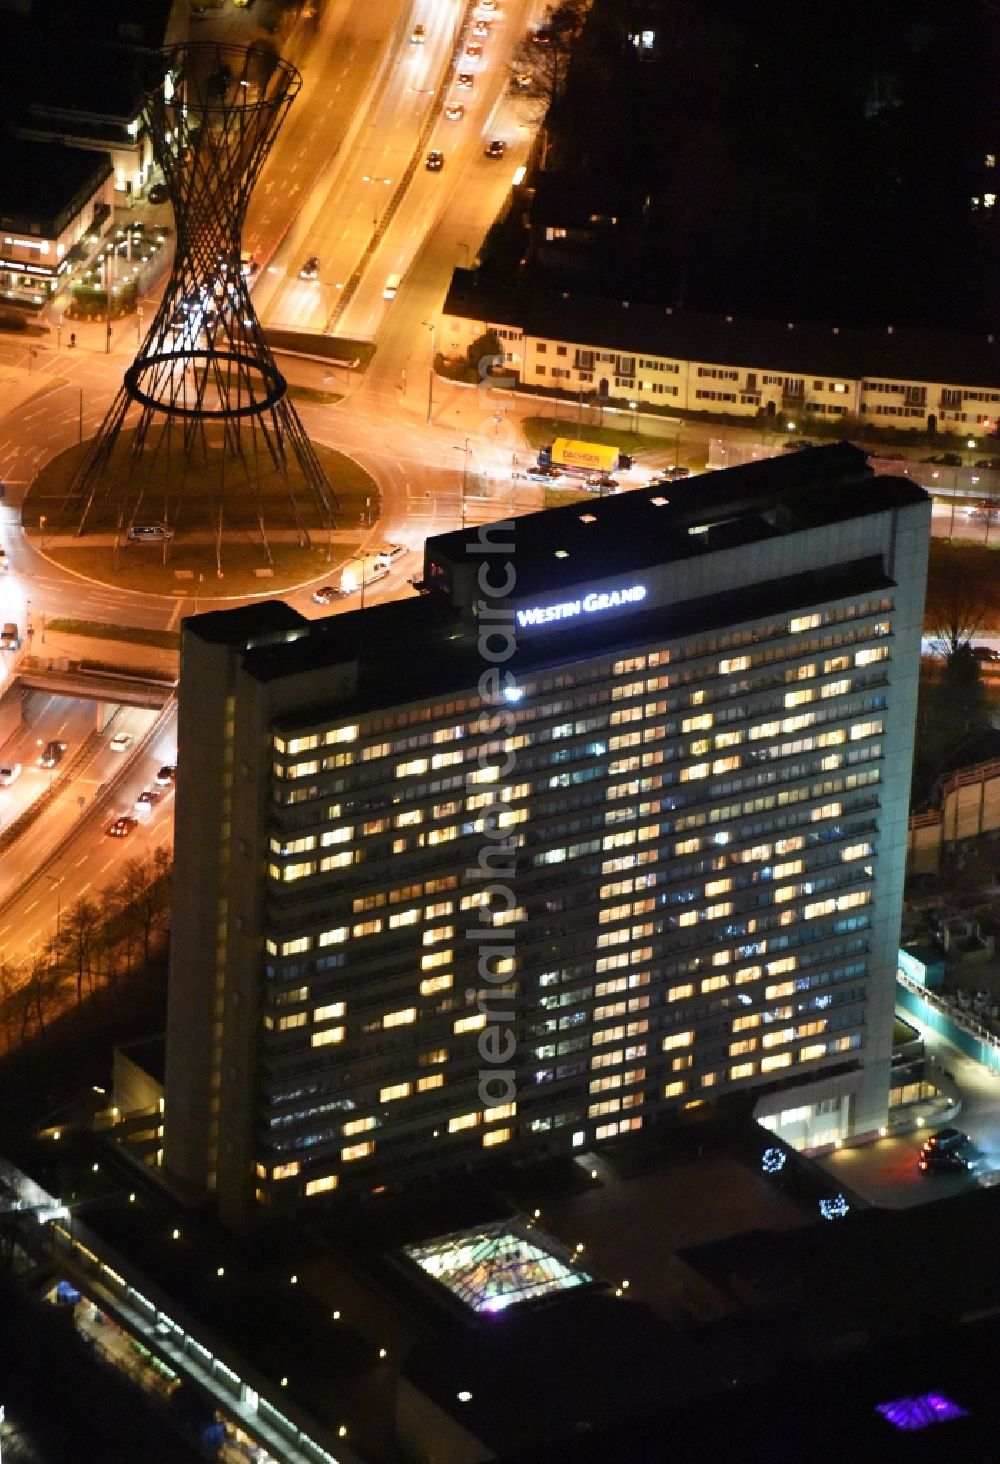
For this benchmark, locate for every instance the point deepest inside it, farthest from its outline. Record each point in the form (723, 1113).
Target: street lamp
(367, 178)
(465, 476)
(634, 409)
(432, 327)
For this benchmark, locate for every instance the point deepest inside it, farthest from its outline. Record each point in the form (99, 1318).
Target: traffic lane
(46, 718)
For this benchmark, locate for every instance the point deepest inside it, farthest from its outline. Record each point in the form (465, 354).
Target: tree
(484, 349)
(78, 937)
(546, 60)
(957, 603)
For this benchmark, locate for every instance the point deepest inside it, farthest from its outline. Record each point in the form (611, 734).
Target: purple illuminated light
(920, 1412)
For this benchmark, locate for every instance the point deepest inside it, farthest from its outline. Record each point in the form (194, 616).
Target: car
(797, 444)
(166, 776)
(944, 459)
(464, 79)
(495, 149)
(326, 594)
(607, 485)
(146, 800)
(51, 754)
(993, 464)
(675, 473)
(487, 5)
(392, 551)
(474, 49)
(542, 36)
(418, 35)
(310, 270)
(121, 741)
(480, 26)
(435, 160)
(121, 827)
(985, 653)
(521, 80)
(149, 533)
(948, 1149)
(454, 112)
(4, 561)
(10, 636)
(942, 1161)
(9, 773)
(983, 510)
(159, 193)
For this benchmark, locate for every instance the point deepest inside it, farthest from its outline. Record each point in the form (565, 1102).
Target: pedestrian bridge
(133, 686)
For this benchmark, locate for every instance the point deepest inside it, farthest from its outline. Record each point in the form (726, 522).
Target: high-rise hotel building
(608, 822)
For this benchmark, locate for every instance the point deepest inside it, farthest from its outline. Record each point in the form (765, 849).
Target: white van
(391, 286)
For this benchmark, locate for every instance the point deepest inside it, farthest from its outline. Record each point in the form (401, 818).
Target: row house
(623, 351)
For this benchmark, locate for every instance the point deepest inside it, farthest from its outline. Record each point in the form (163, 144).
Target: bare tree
(544, 55)
(78, 935)
(957, 606)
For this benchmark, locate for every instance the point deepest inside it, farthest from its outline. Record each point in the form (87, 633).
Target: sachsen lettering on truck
(592, 457)
(590, 604)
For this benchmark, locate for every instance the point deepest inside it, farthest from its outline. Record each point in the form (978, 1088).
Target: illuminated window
(469, 1024)
(675, 1089)
(357, 1126)
(680, 993)
(436, 958)
(321, 1186)
(677, 1039)
(464, 1121)
(803, 622)
(798, 698)
(433, 984)
(408, 769)
(812, 1052)
(428, 1059)
(776, 1060)
(324, 1038)
(403, 917)
(394, 1091)
(358, 1151)
(367, 927)
(701, 723)
(296, 1019)
(496, 1136)
(333, 937)
(400, 1018)
(295, 947)
(286, 1171)
(329, 1012)
(742, 1070)
(433, 1080)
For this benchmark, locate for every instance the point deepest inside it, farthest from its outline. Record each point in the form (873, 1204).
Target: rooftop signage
(594, 603)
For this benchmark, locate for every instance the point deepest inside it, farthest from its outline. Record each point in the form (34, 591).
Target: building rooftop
(425, 644)
(799, 348)
(40, 179)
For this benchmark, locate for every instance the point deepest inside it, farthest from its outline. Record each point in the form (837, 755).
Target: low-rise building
(591, 347)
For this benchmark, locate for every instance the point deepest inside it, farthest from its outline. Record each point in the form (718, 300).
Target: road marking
(29, 908)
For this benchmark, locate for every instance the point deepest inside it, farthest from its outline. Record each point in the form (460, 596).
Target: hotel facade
(608, 822)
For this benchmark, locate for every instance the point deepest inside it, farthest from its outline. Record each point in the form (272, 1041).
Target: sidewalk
(51, 647)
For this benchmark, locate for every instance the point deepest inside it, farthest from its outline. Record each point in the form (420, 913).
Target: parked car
(166, 776)
(327, 594)
(435, 160)
(159, 193)
(944, 459)
(51, 754)
(9, 773)
(992, 463)
(948, 1149)
(496, 148)
(10, 636)
(149, 533)
(985, 653)
(121, 827)
(310, 270)
(121, 741)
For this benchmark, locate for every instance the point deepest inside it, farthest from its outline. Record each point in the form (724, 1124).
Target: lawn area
(141, 567)
(559, 497)
(165, 487)
(540, 431)
(164, 640)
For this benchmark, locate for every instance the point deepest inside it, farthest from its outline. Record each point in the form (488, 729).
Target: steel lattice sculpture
(215, 441)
